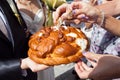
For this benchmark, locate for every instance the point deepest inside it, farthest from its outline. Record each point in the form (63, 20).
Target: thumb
(92, 56)
(55, 17)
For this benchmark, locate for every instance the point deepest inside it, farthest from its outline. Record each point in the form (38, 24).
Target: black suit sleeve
(10, 70)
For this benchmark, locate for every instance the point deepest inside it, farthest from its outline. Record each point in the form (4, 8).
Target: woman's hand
(79, 12)
(28, 63)
(60, 11)
(104, 67)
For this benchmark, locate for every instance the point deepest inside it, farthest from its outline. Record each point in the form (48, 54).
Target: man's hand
(28, 63)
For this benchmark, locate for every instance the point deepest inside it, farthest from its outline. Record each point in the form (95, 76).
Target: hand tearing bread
(54, 46)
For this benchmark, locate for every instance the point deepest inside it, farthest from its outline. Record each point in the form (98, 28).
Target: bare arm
(111, 24)
(110, 8)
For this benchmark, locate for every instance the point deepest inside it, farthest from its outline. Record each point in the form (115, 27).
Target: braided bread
(53, 46)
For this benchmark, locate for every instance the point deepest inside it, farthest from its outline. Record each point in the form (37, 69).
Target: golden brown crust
(52, 46)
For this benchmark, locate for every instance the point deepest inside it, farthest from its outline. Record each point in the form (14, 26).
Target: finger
(79, 13)
(34, 66)
(65, 16)
(93, 62)
(93, 2)
(82, 7)
(59, 11)
(69, 14)
(55, 17)
(85, 66)
(38, 67)
(80, 66)
(41, 67)
(81, 16)
(92, 56)
(77, 67)
(74, 21)
(76, 5)
(81, 73)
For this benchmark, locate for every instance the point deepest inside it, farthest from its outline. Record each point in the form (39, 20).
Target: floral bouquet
(51, 6)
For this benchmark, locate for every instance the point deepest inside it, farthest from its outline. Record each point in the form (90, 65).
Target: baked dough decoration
(54, 46)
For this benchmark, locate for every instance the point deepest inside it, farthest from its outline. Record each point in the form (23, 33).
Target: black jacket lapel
(2, 36)
(12, 22)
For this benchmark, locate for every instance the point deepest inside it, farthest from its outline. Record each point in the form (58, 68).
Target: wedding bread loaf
(54, 46)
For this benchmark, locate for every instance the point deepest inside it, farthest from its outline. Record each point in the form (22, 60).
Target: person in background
(113, 26)
(14, 63)
(103, 39)
(34, 15)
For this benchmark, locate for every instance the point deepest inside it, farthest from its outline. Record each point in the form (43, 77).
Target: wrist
(100, 19)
